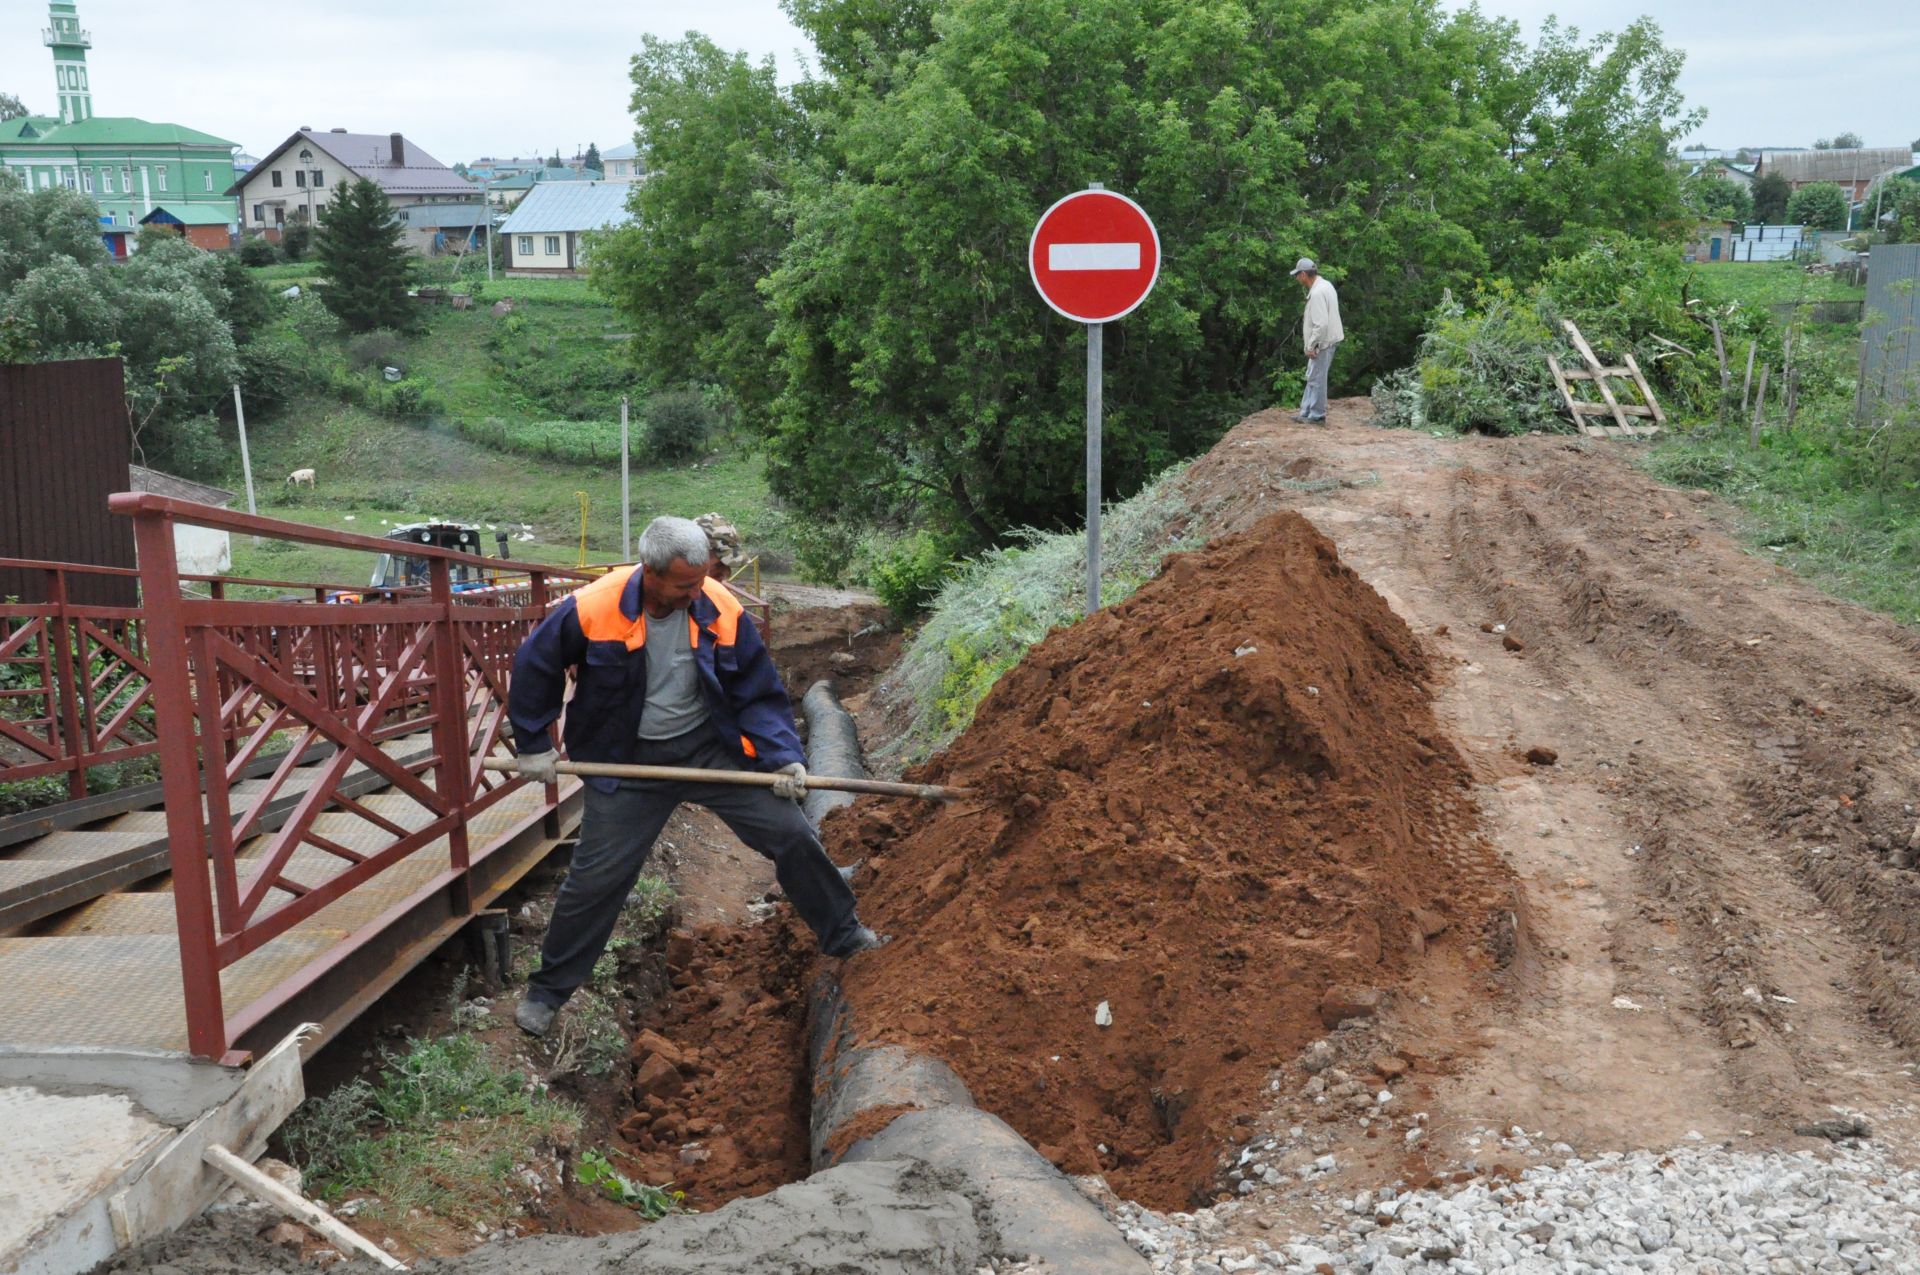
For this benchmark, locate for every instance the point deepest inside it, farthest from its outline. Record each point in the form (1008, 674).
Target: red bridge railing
(226, 676)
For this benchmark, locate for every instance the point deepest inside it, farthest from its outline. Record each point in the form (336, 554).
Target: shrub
(274, 367)
(908, 577)
(1821, 206)
(406, 399)
(256, 250)
(380, 348)
(1486, 371)
(680, 424)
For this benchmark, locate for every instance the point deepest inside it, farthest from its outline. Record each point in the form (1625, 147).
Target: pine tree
(593, 156)
(365, 265)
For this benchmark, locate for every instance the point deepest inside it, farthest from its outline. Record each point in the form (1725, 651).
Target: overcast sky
(486, 77)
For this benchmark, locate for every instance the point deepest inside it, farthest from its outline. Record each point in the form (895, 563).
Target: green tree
(1771, 191)
(365, 264)
(592, 158)
(12, 108)
(164, 313)
(1844, 142)
(847, 258)
(40, 226)
(1711, 193)
(722, 140)
(1818, 205)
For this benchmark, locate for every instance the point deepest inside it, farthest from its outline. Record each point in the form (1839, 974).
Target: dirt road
(1716, 939)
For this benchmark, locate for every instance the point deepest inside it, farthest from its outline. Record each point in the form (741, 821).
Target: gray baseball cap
(1305, 266)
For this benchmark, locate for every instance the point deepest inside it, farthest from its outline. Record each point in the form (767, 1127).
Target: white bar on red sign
(1093, 256)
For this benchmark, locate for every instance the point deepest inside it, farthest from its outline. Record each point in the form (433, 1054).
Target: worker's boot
(534, 1016)
(863, 940)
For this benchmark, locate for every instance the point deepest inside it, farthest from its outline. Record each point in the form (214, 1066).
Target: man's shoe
(534, 1016)
(864, 940)
(1299, 418)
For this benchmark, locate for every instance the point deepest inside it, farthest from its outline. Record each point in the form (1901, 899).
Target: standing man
(1321, 331)
(667, 674)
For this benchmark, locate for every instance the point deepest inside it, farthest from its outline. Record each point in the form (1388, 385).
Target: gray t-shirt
(674, 705)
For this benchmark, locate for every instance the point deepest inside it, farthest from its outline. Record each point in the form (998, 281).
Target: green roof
(192, 214)
(108, 130)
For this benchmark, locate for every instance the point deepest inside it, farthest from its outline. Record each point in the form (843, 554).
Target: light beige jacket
(1321, 327)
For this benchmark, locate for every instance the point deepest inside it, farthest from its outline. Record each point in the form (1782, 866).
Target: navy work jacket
(599, 631)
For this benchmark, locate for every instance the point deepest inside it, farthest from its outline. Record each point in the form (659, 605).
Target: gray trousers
(617, 832)
(1313, 403)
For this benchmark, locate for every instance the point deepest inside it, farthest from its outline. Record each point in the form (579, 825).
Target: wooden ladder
(1590, 418)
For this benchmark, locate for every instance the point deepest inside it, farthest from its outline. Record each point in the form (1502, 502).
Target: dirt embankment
(1216, 809)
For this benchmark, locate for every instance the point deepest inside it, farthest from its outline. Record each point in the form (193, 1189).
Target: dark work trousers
(617, 831)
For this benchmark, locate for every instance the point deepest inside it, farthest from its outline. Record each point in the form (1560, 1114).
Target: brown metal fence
(64, 448)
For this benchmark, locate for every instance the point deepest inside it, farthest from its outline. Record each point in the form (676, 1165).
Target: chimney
(399, 157)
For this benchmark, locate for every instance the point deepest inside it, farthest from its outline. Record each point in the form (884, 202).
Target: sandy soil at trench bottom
(1715, 941)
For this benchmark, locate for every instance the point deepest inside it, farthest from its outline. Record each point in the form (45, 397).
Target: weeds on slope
(995, 606)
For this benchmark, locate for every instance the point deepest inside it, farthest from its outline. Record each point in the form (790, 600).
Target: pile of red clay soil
(720, 1089)
(1224, 809)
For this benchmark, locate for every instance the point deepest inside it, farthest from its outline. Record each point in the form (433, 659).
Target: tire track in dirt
(1737, 766)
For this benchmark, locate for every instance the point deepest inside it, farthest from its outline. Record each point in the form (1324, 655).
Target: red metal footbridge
(321, 819)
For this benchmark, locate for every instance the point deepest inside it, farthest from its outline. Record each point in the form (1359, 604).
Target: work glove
(792, 783)
(542, 768)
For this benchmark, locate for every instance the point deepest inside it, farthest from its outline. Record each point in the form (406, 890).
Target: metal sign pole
(1096, 341)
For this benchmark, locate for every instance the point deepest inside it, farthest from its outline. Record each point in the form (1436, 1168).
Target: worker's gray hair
(670, 540)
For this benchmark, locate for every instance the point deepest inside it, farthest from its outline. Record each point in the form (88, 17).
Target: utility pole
(246, 462)
(626, 501)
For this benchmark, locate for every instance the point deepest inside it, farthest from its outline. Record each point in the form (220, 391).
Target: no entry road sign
(1094, 256)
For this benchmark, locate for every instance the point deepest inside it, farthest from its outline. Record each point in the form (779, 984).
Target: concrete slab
(65, 1152)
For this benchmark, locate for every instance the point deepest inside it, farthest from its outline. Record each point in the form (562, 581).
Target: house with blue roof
(547, 233)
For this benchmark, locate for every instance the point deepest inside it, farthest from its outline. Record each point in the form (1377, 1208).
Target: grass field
(1836, 502)
(1773, 282)
(555, 369)
(373, 473)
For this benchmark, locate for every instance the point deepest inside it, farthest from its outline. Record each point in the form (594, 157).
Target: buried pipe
(1036, 1211)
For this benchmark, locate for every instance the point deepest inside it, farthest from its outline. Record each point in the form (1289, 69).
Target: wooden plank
(1630, 409)
(1579, 374)
(179, 1184)
(1594, 365)
(298, 1207)
(1646, 391)
(1566, 393)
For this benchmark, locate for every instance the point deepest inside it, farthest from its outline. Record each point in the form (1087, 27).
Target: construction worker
(1320, 330)
(667, 674)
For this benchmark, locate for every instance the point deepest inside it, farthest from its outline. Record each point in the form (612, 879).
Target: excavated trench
(1208, 824)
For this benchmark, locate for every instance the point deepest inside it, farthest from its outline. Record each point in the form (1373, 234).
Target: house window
(207, 178)
(300, 177)
(320, 177)
(276, 179)
(553, 245)
(126, 180)
(526, 245)
(260, 213)
(86, 180)
(160, 177)
(66, 179)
